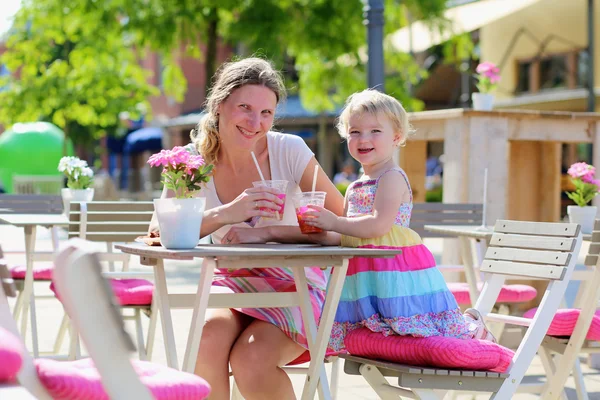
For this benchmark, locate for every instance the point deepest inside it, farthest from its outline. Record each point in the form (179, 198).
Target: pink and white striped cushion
(78, 380)
(40, 272)
(11, 356)
(129, 292)
(508, 293)
(564, 322)
(434, 351)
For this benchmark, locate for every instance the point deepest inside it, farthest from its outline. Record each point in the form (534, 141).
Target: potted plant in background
(180, 218)
(79, 179)
(586, 188)
(488, 76)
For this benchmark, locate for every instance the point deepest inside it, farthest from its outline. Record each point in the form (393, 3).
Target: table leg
(334, 291)
(310, 327)
(164, 308)
(199, 314)
(469, 263)
(28, 295)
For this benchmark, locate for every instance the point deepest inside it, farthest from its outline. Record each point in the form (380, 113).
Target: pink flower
(487, 69)
(176, 161)
(582, 170)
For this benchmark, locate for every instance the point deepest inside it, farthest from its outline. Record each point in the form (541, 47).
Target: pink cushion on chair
(508, 294)
(434, 351)
(11, 356)
(40, 272)
(129, 292)
(564, 322)
(74, 380)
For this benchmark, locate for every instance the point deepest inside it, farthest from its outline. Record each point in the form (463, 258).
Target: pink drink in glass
(281, 186)
(301, 203)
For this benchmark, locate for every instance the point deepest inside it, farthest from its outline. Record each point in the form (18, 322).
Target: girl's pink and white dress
(404, 295)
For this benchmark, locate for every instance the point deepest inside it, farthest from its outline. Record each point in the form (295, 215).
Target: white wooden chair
(37, 184)
(28, 381)
(567, 349)
(111, 222)
(526, 249)
(91, 305)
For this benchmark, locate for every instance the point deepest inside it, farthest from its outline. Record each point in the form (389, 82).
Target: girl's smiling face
(371, 138)
(247, 115)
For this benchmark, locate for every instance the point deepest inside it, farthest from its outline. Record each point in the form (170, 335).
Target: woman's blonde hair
(373, 102)
(229, 77)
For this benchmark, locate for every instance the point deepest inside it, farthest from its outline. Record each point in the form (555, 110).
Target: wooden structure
(520, 148)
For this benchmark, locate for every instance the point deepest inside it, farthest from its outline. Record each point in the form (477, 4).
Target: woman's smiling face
(247, 115)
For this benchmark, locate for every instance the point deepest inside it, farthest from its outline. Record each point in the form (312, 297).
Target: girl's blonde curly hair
(374, 102)
(231, 76)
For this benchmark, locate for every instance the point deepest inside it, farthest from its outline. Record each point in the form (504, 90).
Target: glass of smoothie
(281, 187)
(301, 203)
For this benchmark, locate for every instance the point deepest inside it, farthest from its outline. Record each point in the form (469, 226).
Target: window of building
(564, 70)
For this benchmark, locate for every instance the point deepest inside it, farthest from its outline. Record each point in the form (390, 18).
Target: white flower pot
(179, 221)
(583, 216)
(482, 101)
(69, 195)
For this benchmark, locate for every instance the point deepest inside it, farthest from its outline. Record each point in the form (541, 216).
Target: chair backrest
(27, 376)
(90, 303)
(30, 204)
(110, 221)
(538, 250)
(37, 184)
(444, 214)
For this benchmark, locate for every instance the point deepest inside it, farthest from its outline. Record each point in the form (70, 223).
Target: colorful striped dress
(405, 295)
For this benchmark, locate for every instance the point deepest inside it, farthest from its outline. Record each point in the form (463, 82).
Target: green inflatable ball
(32, 148)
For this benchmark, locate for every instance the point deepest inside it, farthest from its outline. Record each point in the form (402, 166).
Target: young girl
(405, 295)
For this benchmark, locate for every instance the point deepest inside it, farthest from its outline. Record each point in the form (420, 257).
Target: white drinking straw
(262, 177)
(485, 182)
(314, 183)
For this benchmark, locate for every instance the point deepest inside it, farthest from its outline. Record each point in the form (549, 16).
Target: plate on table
(150, 241)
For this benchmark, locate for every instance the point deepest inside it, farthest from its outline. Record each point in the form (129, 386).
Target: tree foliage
(77, 69)
(69, 71)
(325, 39)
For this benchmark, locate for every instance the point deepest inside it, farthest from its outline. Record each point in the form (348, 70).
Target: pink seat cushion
(508, 294)
(129, 292)
(11, 359)
(564, 322)
(71, 380)
(434, 351)
(40, 272)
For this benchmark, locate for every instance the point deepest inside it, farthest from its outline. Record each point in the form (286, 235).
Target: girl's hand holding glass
(253, 202)
(320, 217)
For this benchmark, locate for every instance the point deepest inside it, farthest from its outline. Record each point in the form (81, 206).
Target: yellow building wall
(564, 19)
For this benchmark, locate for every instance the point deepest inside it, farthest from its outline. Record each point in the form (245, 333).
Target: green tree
(68, 70)
(325, 39)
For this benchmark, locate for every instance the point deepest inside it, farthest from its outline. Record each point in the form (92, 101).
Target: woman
(256, 342)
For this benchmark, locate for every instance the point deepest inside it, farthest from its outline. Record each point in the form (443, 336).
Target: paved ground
(182, 278)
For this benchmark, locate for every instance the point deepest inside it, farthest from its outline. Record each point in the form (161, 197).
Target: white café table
(29, 223)
(294, 256)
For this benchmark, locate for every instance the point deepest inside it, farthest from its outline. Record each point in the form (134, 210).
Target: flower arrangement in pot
(180, 217)
(79, 180)
(488, 76)
(582, 176)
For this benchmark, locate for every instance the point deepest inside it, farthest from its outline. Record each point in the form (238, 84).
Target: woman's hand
(321, 218)
(238, 234)
(253, 202)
